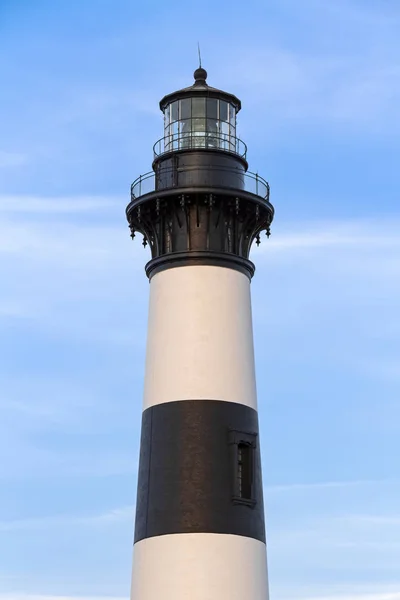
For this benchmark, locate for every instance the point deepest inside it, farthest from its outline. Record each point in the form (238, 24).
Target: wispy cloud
(343, 595)
(336, 91)
(51, 262)
(325, 485)
(108, 518)
(22, 596)
(361, 233)
(49, 205)
(351, 86)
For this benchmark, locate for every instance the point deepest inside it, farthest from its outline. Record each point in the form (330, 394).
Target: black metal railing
(202, 140)
(168, 178)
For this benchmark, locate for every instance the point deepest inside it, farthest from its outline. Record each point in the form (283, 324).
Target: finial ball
(200, 74)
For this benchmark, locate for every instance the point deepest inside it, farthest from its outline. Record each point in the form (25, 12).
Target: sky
(319, 82)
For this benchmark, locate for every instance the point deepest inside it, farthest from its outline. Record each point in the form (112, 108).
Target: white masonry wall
(200, 337)
(199, 566)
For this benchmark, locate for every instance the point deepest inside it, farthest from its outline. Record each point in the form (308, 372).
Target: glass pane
(166, 116)
(223, 110)
(185, 142)
(167, 138)
(174, 111)
(232, 115)
(232, 139)
(212, 126)
(212, 134)
(174, 129)
(185, 133)
(185, 108)
(198, 125)
(225, 130)
(212, 107)
(184, 126)
(198, 140)
(198, 107)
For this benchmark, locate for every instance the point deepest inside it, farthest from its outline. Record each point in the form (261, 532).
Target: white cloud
(108, 518)
(336, 540)
(360, 233)
(345, 595)
(341, 277)
(49, 205)
(352, 88)
(52, 266)
(24, 596)
(324, 485)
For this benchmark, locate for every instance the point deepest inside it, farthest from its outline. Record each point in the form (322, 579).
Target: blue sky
(320, 87)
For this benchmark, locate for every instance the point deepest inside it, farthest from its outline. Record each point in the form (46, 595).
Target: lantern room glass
(200, 122)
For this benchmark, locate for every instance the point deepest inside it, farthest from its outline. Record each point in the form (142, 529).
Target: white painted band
(199, 566)
(200, 337)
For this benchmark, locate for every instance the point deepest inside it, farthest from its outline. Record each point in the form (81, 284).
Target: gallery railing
(200, 139)
(168, 178)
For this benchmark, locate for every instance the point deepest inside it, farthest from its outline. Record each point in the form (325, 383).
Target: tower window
(243, 449)
(244, 470)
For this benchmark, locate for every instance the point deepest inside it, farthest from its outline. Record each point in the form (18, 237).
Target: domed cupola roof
(200, 87)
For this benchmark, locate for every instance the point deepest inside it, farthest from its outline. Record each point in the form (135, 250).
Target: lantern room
(200, 117)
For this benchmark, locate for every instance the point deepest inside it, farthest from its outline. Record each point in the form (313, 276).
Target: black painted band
(187, 470)
(190, 258)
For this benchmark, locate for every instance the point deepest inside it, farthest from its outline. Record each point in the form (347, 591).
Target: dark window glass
(212, 108)
(245, 470)
(185, 108)
(223, 110)
(174, 111)
(243, 453)
(198, 107)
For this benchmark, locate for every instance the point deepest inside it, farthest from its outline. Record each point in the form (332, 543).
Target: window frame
(249, 439)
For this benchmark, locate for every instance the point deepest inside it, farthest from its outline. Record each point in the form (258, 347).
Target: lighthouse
(199, 528)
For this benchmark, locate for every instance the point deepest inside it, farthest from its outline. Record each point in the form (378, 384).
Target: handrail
(200, 139)
(252, 182)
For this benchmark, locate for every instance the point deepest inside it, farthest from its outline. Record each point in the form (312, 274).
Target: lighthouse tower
(199, 531)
